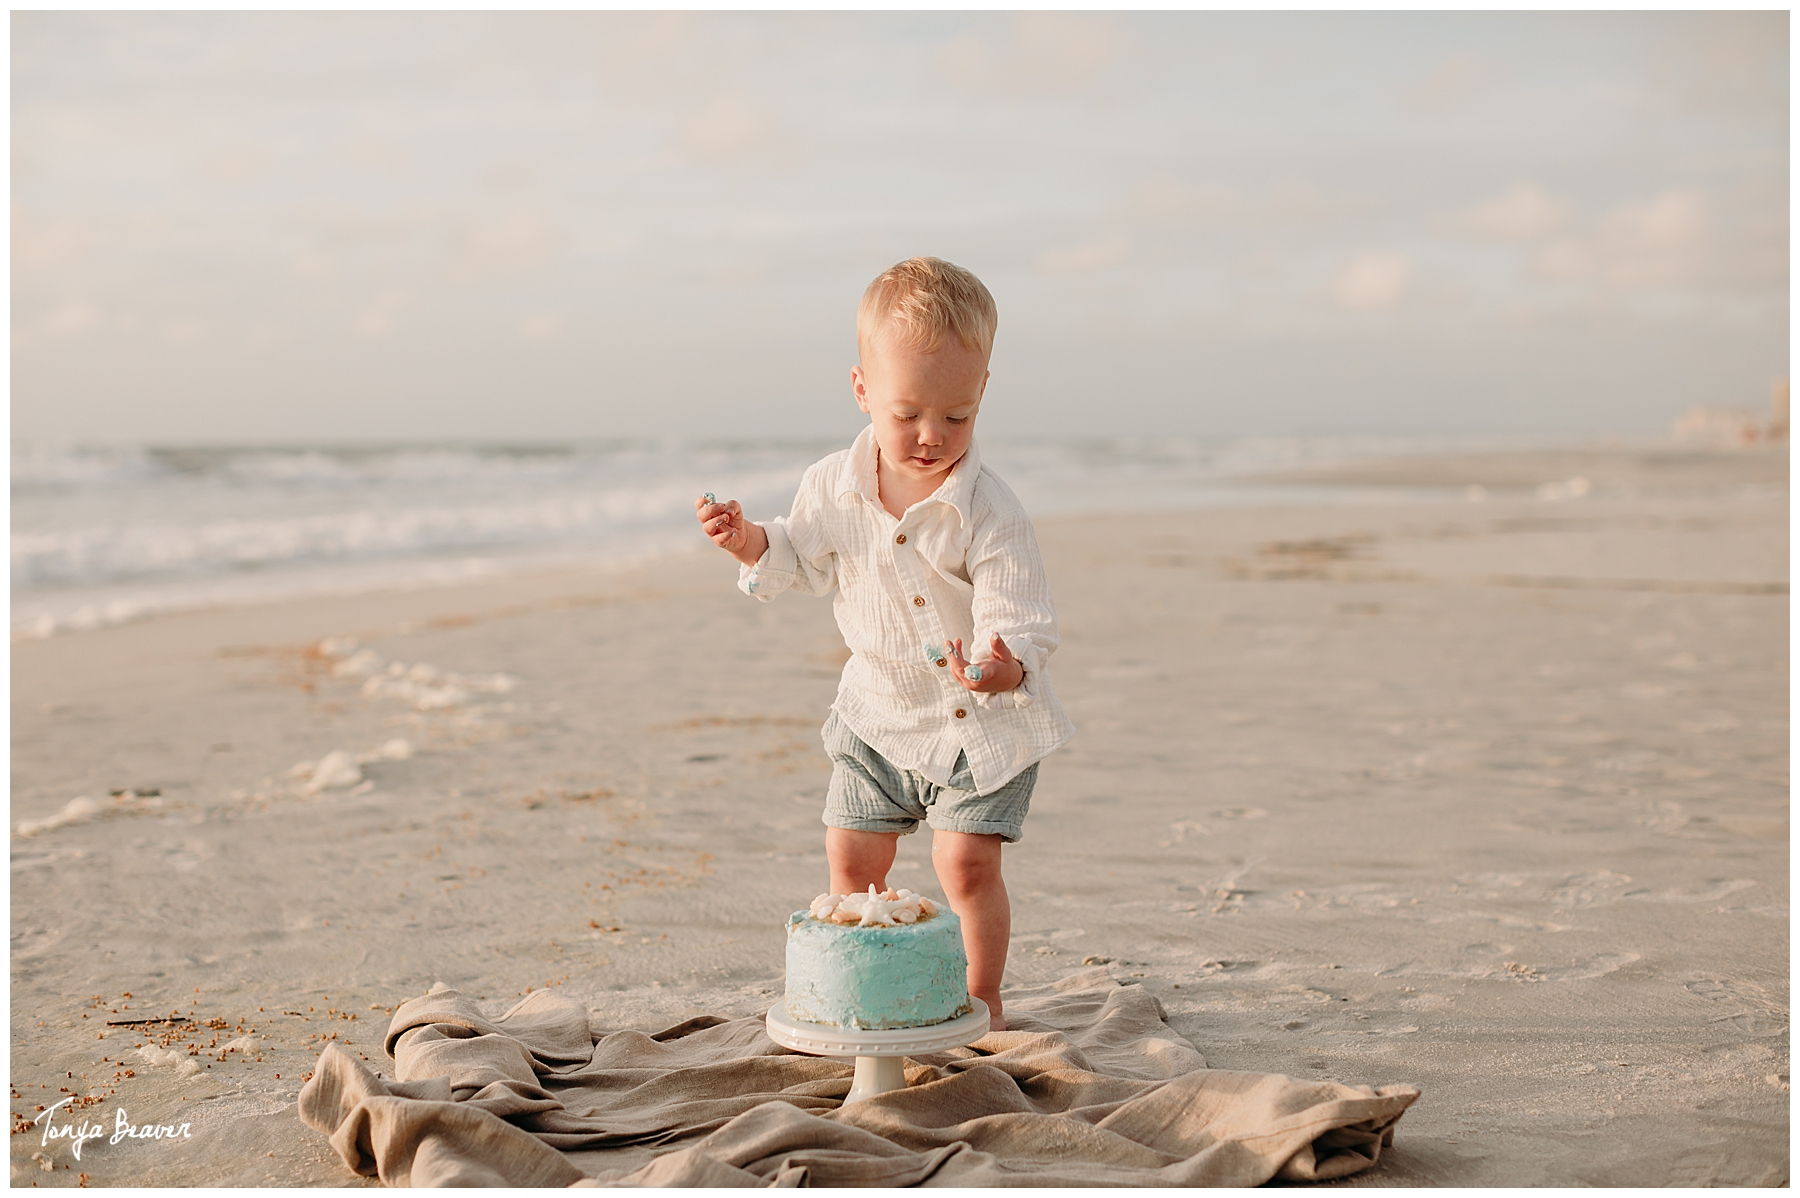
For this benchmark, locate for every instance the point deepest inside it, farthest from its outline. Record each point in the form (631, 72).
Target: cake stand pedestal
(878, 1053)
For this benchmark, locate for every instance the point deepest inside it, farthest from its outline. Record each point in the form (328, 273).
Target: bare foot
(996, 1023)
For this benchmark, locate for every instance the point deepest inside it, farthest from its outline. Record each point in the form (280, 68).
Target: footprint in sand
(1587, 967)
(1514, 971)
(1736, 993)
(1588, 890)
(1711, 892)
(1181, 829)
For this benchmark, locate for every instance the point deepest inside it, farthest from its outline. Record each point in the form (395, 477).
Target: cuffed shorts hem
(1010, 833)
(851, 823)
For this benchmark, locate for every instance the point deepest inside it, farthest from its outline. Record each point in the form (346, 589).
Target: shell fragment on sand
(397, 749)
(358, 665)
(74, 811)
(428, 688)
(337, 770)
(152, 1055)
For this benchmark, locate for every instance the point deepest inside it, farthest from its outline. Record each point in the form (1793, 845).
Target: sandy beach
(1489, 797)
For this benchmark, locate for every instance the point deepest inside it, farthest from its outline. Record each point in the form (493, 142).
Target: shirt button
(942, 662)
(961, 712)
(918, 601)
(900, 540)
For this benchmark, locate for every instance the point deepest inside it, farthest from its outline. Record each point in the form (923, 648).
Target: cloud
(1726, 63)
(737, 132)
(1656, 243)
(644, 60)
(1088, 257)
(1373, 280)
(1163, 199)
(243, 165)
(1451, 87)
(736, 272)
(541, 326)
(1523, 212)
(511, 172)
(73, 317)
(1046, 55)
(377, 154)
(186, 329)
(45, 243)
(1673, 222)
(512, 244)
(381, 315)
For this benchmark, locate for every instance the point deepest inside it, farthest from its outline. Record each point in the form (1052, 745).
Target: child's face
(922, 405)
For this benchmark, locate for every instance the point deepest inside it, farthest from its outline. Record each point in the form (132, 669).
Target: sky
(362, 227)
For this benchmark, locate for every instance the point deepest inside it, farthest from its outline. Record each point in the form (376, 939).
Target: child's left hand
(1000, 672)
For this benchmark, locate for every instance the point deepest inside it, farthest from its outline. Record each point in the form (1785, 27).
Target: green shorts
(868, 793)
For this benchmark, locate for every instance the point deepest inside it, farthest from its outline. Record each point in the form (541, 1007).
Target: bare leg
(968, 867)
(859, 860)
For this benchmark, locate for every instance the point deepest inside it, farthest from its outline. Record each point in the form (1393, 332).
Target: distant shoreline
(1066, 486)
(1645, 467)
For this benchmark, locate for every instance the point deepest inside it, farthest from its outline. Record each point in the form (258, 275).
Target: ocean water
(106, 534)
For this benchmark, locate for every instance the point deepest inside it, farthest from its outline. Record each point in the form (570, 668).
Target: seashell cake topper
(888, 909)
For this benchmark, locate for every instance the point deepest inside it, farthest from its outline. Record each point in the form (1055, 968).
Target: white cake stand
(878, 1053)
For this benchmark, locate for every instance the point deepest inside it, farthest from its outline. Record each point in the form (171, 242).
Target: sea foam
(103, 535)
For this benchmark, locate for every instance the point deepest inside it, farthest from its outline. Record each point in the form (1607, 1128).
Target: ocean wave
(129, 549)
(108, 533)
(41, 466)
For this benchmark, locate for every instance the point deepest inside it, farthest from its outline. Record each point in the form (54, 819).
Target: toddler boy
(931, 557)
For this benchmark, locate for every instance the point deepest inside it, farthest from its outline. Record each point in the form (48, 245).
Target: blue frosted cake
(876, 961)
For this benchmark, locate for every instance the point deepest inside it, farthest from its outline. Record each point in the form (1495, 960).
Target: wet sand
(1486, 797)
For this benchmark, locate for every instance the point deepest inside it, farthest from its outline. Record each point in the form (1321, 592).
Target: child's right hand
(725, 524)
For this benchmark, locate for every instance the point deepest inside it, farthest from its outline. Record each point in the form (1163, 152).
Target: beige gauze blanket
(1091, 1087)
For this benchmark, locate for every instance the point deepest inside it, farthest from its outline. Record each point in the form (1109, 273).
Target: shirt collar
(858, 477)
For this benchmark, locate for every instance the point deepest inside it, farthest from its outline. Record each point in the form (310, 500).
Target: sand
(1488, 797)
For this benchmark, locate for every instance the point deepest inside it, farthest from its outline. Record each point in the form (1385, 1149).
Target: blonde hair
(923, 299)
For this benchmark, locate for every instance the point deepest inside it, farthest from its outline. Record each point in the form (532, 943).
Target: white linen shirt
(962, 562)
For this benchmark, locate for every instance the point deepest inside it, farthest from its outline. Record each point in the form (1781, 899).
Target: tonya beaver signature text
(123, 1129)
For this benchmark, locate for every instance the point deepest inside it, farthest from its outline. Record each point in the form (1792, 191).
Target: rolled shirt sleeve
(775, 570)
(800, 555)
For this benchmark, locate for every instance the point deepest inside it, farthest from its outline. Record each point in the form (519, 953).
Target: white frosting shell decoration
(887, 909)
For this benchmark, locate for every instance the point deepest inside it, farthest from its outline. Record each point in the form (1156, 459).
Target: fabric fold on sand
(1091, 1087)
